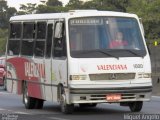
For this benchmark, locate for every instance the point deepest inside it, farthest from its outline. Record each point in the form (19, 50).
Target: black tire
(65, 108)
(29, 102)
(84, 105)
(136, 106)
(39, 104)
(4, 84)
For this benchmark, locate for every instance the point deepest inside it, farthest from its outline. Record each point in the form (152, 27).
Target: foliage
(27, 9)
(3, 39)
(53, 3)
(75, 4)
(51, 6)
(5, 13)
(149, 11)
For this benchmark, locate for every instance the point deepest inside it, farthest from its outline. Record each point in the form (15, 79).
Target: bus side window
(29, 29)
(15, 30)
(40, 41)
(59, 40)
(49, 40)
(14, 39)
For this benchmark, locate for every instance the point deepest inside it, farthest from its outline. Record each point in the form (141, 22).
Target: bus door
(59, 61)
(39, 53)
(48, 62)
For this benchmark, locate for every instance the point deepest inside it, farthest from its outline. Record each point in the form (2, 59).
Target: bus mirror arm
(148, 43)
(149, 50)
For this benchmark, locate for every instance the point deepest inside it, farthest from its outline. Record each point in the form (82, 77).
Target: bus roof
(70, 14)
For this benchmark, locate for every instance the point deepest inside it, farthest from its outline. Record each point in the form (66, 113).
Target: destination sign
(86, 21)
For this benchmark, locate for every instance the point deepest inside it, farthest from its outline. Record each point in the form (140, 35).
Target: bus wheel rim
(63, 103)
(26, 97)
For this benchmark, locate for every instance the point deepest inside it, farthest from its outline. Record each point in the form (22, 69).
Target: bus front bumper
(99, 95)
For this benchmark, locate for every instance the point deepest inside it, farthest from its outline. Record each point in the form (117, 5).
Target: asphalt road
(12, 108)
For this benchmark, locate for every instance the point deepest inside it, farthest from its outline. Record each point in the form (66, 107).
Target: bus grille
(103, 97)
(112, 76)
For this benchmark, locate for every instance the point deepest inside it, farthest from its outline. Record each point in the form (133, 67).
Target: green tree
(110, 5)
(120, 5)
(149, 11)
(3, 11)
(3, 39)
(51, 6)
(75, 4)
(29, 8)
(53, 3)
(5, 14)
(3, 5)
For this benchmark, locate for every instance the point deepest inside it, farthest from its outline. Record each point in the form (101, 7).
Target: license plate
(113, 97)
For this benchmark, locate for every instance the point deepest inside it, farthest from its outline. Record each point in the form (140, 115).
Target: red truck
(2, 71)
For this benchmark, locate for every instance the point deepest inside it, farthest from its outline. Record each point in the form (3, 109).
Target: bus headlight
(144, 75)
(78, 77)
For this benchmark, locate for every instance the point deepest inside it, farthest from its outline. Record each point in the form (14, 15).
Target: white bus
(77, 58)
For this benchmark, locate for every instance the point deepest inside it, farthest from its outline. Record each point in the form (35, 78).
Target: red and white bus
(67, 58)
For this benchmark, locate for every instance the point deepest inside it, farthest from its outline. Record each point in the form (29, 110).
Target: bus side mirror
(148, 46)
(58, 30)
(140, 19)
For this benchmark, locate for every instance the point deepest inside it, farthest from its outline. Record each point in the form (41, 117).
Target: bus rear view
(108, 62)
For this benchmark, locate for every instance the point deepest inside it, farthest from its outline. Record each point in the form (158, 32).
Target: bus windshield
(105, 37)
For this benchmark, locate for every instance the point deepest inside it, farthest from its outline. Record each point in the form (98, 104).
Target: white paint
(4, 93)
(72, 14)
(2, 109)
(22, 113)
(156, 97)
(56, 118)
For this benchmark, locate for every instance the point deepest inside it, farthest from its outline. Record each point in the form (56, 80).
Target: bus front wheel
(136, 106)
(65, 108)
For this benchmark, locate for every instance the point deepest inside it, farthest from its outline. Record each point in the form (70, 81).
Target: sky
(16, 3)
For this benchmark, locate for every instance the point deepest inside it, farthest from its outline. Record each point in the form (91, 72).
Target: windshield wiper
(107, 53)
(99, 51)
(133, 52)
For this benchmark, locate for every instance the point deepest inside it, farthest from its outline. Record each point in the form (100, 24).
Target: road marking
(22, 113)
(2, 109)
(5, 109)
(4, 92)
(156, 96)
(56, 118)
